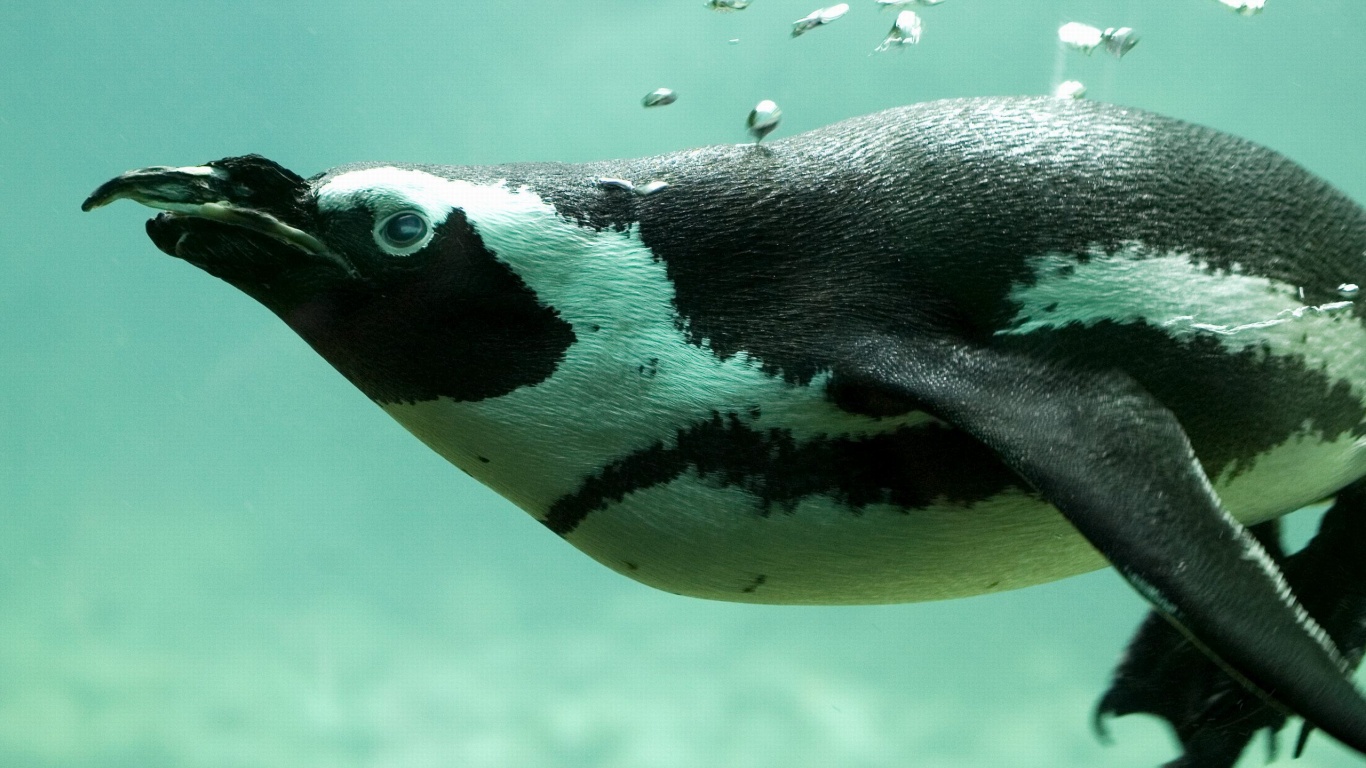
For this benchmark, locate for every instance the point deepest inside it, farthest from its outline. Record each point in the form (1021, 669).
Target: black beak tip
(104, 194)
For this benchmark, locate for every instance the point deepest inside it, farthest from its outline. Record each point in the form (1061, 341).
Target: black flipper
(1214, 717)
(1163, 674)
(1117, 464)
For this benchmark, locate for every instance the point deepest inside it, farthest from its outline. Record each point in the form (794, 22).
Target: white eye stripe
(390, 194)
(388, 190)
(512, 222)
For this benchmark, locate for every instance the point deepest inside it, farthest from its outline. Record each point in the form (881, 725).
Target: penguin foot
(1163, 674)
(1215, 717)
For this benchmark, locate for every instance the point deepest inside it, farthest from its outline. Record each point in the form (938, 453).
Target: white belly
(697, 536)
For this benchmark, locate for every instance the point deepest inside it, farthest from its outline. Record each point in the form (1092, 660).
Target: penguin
(941, 350)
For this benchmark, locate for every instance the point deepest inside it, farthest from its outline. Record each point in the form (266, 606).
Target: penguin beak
(250, 195)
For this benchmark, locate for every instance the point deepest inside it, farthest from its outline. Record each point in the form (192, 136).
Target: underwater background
(215, 552)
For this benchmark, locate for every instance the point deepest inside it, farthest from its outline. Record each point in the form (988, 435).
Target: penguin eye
(402, 233)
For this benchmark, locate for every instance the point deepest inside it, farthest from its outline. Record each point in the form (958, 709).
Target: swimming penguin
(941, 350)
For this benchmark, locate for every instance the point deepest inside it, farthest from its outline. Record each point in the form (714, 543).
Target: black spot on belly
(759, 581)
(909, 467)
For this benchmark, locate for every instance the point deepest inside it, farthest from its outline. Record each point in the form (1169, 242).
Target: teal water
(214, 552)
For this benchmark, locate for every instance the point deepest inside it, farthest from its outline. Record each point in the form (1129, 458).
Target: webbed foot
(1215, 717)
(1164, 674)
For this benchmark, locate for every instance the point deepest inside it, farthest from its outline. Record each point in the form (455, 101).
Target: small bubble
(1120, 40)
(1082, 37)
(659, 97)
(763, 119)
(1069, 89)
(1245, 7)
(818, 17)
(905, 31)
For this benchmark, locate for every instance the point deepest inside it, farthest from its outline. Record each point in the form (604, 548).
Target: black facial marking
(910, 468)
(450, 321)
(1233, 405)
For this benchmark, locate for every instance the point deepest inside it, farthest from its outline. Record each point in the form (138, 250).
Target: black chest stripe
(910, 468)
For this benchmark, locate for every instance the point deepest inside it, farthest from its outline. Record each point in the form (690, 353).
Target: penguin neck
(631, 381)
(624, 388)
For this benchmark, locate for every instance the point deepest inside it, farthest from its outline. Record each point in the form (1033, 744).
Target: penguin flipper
(1117, 464)
(1163, 674)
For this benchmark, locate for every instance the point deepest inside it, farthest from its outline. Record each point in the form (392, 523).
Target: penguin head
(373, 266)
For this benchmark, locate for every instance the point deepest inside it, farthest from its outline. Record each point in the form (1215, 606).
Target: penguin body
(698, 315)
(711, 474)
(941, 350)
